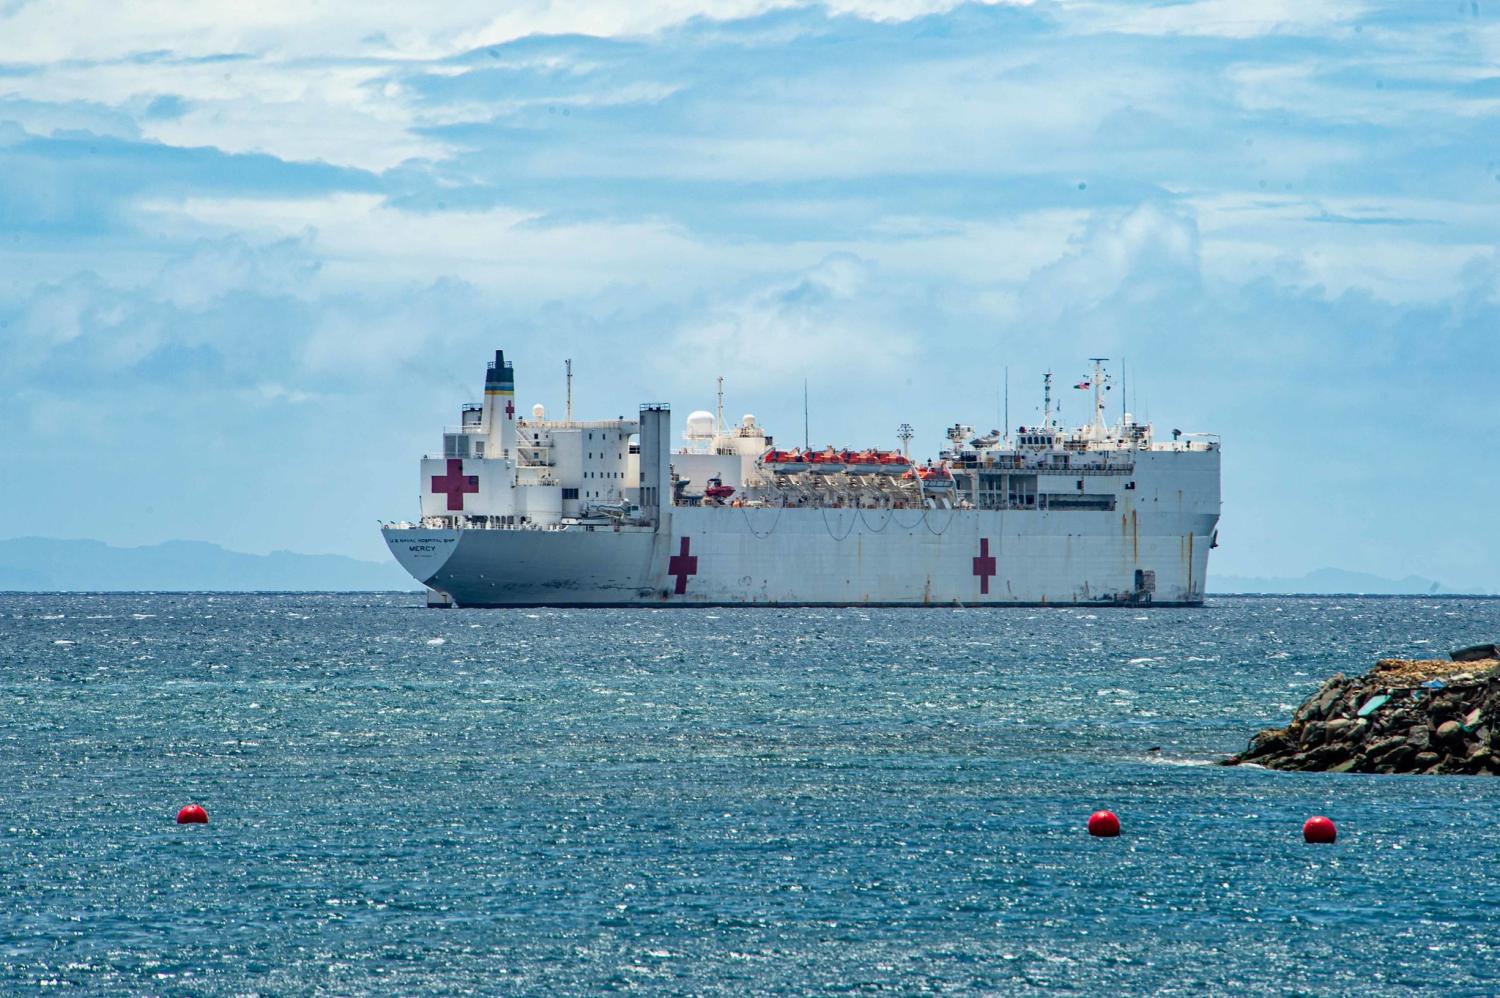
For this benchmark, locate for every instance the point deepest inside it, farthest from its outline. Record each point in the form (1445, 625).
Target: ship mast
(1122, 396)
(719, 415)
(1005, 425)
(1098, 384)
(1047, 400)
(568, 366)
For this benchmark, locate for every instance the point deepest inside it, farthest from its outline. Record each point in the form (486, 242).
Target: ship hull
(726, 556)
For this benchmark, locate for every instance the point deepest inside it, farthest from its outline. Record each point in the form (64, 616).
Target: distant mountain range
(41, 564)
(1328, 581)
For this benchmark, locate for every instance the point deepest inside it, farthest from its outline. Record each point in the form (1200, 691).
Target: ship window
(570, 493)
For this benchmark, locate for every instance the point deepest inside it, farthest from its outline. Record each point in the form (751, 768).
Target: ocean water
(407, 801)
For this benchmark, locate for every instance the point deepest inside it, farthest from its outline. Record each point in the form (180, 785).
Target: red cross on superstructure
(984, 566)
(682, 565)
(455, 483)
(510, 408)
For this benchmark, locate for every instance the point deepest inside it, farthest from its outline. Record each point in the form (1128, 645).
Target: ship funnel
(656, 464)
(500, 408)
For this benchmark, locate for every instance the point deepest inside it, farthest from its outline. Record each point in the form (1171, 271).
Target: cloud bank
(251, 257)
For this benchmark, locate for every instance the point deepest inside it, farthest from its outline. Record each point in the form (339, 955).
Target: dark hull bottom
(1153, 605)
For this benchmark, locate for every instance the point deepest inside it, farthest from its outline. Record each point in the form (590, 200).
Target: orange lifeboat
(936, 478)
(829, 462)
(784, 461)
(894, 463)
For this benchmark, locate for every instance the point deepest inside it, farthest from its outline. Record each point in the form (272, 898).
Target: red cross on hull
(682, 565)
(985, 566)
(455, 483)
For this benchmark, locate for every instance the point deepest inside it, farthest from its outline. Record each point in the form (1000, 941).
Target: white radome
(700, 425)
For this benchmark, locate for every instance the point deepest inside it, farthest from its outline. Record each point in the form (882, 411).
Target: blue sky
(251, 261)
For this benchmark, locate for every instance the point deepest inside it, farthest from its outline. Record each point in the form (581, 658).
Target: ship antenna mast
(806, 436)
(719, 414)
(904, 434)
(568, 366)
(1047, 400)
(1098, 396)
(1006, 423)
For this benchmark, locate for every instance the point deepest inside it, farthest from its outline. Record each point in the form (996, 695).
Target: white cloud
(797, 196)
(361, 240)
(1400, 249)
(1145, 253)
(837, 319)
(80, 30)
(1221, 18)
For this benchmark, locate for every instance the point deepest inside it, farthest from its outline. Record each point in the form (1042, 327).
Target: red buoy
(1319, 829)
(1104, 824)
(192, 815)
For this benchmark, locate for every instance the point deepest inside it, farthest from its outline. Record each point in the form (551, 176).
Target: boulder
(1475, 653)
(1421, 716)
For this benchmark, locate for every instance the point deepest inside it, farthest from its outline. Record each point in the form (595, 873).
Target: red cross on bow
(455, 483)
(682, 565)
(984, 566)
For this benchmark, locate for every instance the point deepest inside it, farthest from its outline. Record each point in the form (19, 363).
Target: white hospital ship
(563, 512)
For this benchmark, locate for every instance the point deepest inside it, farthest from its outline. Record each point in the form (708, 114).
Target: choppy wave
(735, 802)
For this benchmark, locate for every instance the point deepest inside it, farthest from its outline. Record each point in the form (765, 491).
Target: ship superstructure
(536, 511)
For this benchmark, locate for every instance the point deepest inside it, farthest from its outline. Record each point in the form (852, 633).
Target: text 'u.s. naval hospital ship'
(530, 512)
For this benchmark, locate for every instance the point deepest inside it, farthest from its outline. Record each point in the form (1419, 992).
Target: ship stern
(421, 551)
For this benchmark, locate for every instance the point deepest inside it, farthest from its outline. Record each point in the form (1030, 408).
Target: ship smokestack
(500, 408)
(656, 464)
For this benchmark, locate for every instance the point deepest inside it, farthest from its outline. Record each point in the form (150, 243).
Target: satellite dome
(700, 425)
(538, 411)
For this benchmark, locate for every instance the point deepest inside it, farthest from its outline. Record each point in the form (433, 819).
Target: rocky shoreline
(1434, 716)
